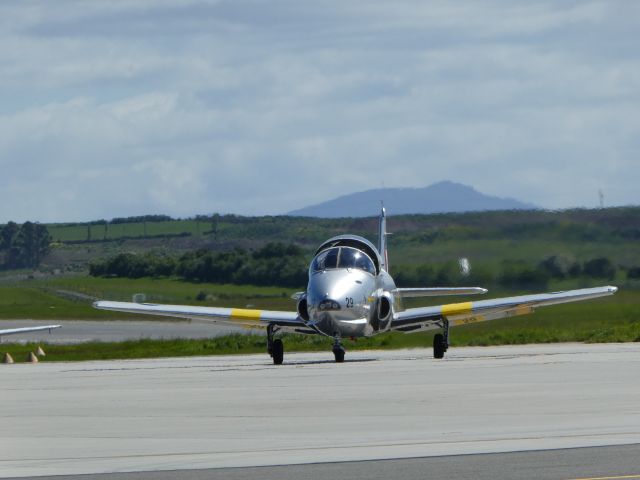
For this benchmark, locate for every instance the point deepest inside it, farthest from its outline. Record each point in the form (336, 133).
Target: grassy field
(491, 251)
(74, 233)
(71, 298)
(275, 227)
(36, 303)
(168, 290)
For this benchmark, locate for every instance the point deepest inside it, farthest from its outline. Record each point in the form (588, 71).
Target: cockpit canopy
(353, 241)
(343, 257)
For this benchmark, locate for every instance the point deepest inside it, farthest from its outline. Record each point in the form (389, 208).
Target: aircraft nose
(340, 294)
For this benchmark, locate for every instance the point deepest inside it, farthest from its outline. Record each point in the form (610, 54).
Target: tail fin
(382, 245)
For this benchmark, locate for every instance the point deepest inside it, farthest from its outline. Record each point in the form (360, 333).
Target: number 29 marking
(349, 301)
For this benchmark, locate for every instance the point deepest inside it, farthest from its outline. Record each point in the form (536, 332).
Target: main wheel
(439, 347)
(339, 354)
(277, 351)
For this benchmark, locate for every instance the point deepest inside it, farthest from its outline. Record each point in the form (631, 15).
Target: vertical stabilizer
(382, 245)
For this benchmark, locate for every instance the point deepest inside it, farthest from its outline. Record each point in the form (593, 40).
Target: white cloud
(253, 107)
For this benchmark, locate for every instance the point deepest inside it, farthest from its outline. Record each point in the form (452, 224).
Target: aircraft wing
(11, 331)
(230, 316)
(425, 318)
(438, 291)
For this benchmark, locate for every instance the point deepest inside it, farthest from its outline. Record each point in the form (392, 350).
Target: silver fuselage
(345, 301)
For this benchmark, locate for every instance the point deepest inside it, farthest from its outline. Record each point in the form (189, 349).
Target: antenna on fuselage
(382, 238)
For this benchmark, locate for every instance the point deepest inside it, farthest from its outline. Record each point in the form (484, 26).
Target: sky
(119, 108)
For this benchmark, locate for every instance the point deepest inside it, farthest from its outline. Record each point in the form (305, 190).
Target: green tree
(8, 234)
(600, 267)
(556, 266)
(520, 275)
(24, 246)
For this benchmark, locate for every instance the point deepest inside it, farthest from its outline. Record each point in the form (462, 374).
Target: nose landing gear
(338, 349)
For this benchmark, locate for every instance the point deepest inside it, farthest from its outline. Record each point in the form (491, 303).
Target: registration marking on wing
(457, 308)
(468, 320)
(522, 310)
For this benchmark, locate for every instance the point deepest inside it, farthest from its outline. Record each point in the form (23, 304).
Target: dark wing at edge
(11, 331)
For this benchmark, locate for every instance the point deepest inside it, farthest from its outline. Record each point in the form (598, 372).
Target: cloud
(254, 107)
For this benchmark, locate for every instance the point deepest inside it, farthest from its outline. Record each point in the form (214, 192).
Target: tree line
(273, 264)
(23, 246)
(286, 265)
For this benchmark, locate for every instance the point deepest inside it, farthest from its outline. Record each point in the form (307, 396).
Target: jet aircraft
(350, 294)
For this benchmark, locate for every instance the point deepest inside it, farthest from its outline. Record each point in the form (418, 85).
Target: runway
(241, 411)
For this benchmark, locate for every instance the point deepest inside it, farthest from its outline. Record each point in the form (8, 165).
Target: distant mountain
(440, 197)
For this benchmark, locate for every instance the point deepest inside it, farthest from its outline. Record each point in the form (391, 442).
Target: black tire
(439, 346)
(339, 354)
(277, 352)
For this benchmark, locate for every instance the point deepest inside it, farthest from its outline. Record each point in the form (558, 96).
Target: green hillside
(503, 248)
(492, 241)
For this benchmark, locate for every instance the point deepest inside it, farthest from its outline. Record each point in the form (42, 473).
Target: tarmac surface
(241, 411)
(592, 463)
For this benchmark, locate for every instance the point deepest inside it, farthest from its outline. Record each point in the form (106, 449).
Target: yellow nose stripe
(457, 308)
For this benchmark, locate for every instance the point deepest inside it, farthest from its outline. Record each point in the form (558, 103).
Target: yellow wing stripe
(242, 314)
(457, 308)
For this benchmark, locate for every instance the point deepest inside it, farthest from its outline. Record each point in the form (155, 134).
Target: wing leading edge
(424, 318)
(230, 316)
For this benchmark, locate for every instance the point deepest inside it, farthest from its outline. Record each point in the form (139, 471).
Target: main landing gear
(441, 341)
(275, 347)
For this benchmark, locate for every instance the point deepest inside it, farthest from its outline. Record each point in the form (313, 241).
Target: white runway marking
(66, 418)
